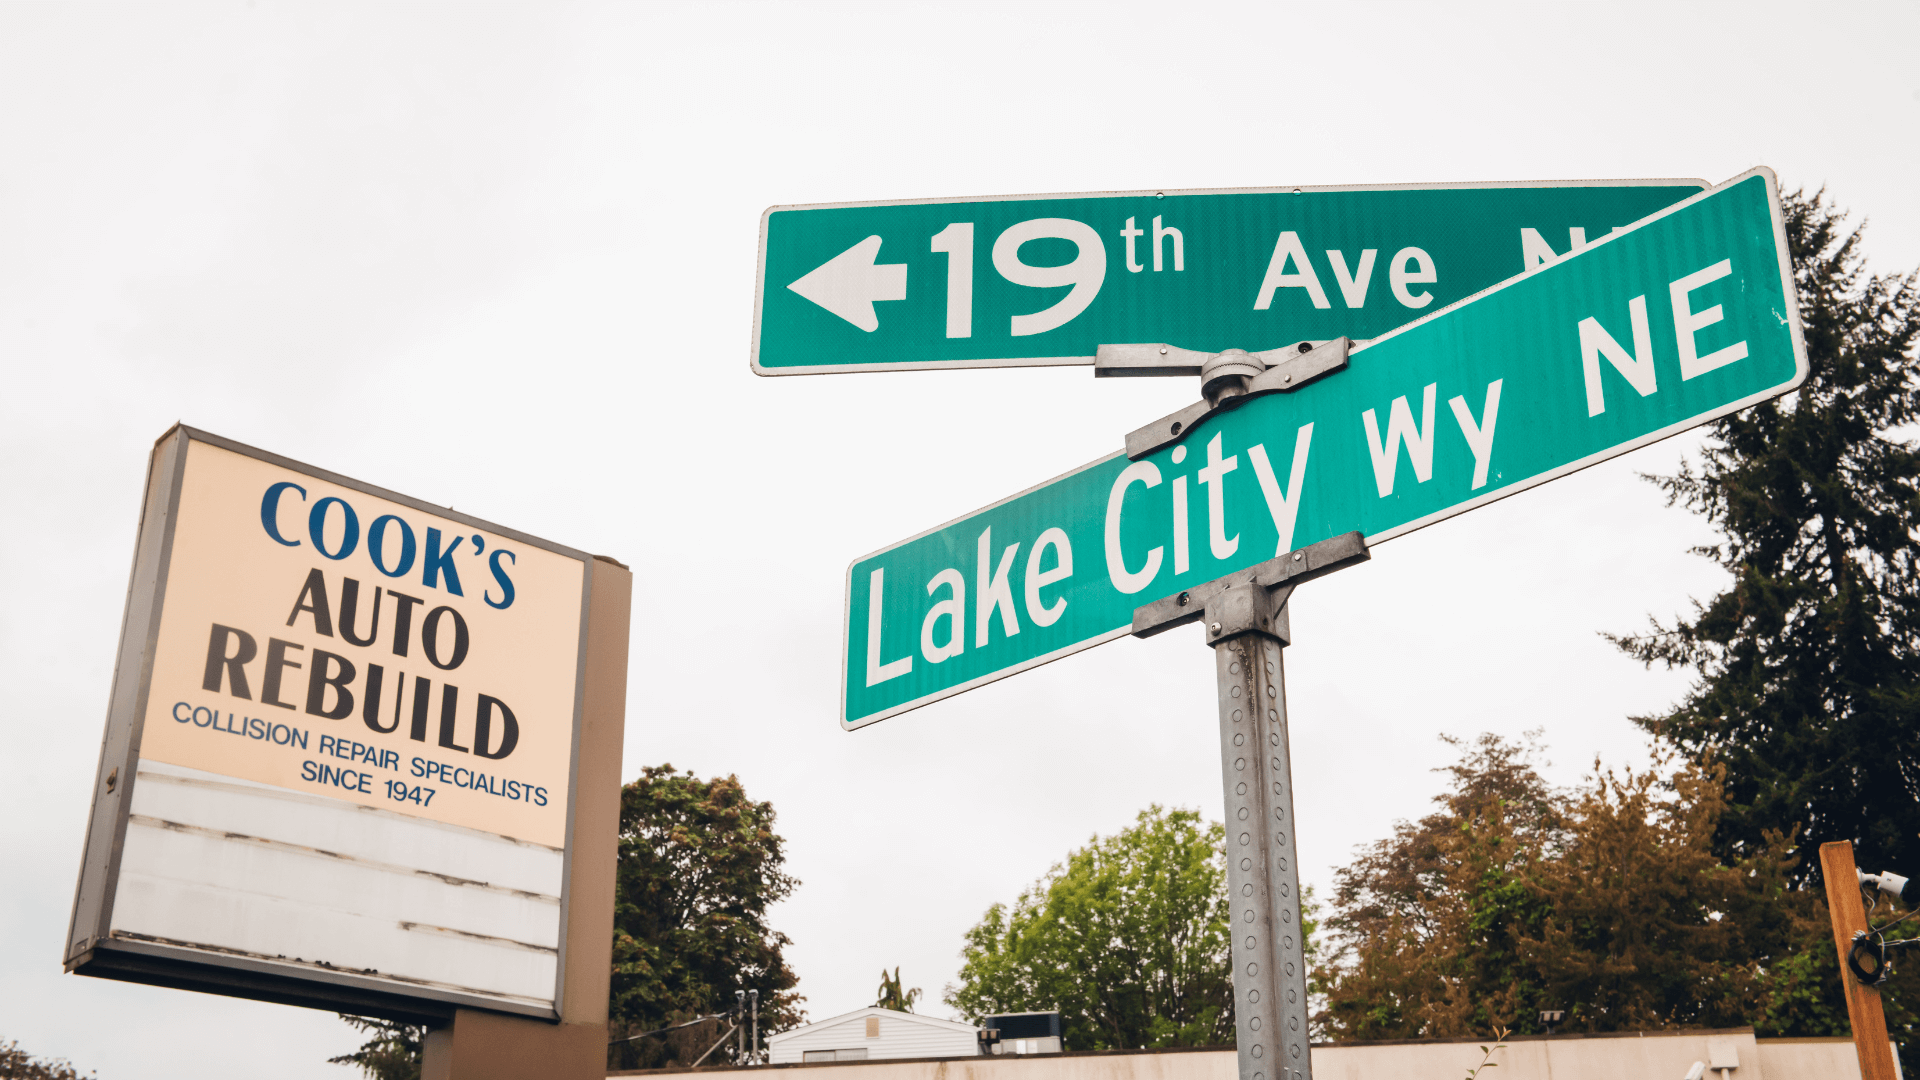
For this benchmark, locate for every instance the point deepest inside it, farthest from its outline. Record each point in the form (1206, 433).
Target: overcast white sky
(501, 257)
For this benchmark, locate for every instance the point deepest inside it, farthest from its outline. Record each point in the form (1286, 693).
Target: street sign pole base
(1245, 617)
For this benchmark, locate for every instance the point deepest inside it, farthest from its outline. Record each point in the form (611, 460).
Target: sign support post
(483, 1045)
(1246, 625)
(1864, 1013)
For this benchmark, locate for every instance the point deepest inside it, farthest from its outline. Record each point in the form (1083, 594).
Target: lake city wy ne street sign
(1031, 280)
(1682, 317)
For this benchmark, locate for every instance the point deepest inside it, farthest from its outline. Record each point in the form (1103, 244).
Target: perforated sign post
(1047, 279)
(1293, 464)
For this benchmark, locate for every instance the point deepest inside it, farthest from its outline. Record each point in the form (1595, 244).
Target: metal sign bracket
(1281, 573)
(1226, 379)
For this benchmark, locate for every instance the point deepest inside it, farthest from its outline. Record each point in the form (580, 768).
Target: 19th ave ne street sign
(1683, 317)
(1032, 280)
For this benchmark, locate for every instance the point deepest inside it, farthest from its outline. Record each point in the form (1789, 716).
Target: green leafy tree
(1809, 662)
(17, 1064)
(893, 995)
(699, 866)
(1128, 938)
(391, 1052)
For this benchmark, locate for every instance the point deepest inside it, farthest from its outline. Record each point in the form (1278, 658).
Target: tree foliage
(1809, 670)
(1607, 901)
(1428, 921)
(17, 1064)
(699, 866)
(893, 994)
(1128, 938)
(392, 1051)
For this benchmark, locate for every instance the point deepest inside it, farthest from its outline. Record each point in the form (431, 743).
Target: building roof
(873, 1010)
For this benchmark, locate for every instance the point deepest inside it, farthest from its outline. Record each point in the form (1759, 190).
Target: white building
(874, 1033)
(1729, 1054)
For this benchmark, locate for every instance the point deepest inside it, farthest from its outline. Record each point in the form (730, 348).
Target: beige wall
(1632, 1057)
(1786, 1059)
(1562, 1057)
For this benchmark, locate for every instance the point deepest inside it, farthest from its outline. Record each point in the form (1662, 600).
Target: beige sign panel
(328, 641)
(342, 748)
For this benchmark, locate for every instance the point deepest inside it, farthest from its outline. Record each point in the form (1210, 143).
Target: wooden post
(1863, 1002)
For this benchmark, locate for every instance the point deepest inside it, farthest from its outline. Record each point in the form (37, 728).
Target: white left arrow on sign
(849, 283)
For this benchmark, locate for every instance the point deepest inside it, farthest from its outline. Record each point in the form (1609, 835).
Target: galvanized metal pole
(1245, 617)
(1263, 872)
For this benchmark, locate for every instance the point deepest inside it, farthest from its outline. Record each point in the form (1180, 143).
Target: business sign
(1680, 318)
(1038, 280)
(341, 744)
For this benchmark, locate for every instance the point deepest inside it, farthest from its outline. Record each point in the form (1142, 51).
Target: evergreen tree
(1809, 687)
(392, 1051)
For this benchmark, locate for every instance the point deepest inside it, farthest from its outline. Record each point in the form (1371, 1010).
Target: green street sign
(1042, 280)
(1679, 318)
